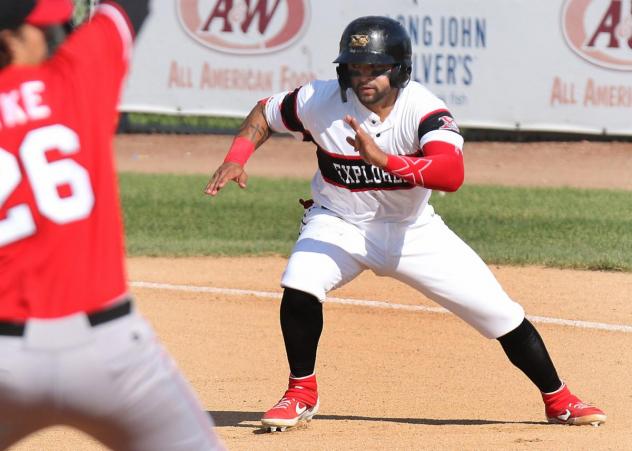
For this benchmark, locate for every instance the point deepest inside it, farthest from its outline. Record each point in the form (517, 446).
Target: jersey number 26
(44, 177)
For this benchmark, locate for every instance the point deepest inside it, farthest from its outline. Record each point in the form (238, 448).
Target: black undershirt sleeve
(136, 10)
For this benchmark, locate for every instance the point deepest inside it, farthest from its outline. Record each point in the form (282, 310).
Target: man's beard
(371, 99)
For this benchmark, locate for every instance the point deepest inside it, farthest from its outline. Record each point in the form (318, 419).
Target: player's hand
(364, 144)
(226, 172)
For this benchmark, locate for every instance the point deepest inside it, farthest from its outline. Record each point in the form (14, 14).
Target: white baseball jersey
(344, 183)
(365, 218)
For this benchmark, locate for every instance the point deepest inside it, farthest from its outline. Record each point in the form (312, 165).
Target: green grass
(178, 123)
(559, 227)
(169, 215)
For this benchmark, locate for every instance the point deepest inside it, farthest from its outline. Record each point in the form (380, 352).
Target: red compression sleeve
(440, 168)
(239, 152)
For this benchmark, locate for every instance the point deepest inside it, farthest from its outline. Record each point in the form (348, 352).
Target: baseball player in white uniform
(383, 144)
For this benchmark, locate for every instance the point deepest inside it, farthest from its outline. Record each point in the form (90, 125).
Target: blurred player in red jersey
(73, 350)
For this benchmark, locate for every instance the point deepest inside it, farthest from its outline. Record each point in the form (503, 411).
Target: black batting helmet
(375, 40)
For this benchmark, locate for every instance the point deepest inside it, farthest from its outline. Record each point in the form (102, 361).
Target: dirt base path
(396, 374)
(581, 164)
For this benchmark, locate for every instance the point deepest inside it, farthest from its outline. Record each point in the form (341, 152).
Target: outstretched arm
(253, 132)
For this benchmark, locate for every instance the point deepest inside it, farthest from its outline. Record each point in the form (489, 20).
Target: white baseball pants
(113, 381)
(428, 256)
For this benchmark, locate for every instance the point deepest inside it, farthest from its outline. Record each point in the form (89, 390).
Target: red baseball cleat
(562, 407)
(299, 403)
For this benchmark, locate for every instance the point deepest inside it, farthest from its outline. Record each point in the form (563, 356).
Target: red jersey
(61, 235)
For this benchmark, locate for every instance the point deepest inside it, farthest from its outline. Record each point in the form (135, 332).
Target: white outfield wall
(545, 65)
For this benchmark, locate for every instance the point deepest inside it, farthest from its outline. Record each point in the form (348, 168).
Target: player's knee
(524, 333)
(301, 283)
(505, 321)
(299, 301)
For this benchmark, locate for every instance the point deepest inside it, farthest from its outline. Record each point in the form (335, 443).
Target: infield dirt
(389, 378)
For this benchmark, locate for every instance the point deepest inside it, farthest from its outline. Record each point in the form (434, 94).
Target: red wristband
(239, 152)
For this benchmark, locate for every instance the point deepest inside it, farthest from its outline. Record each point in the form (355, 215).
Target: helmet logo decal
(246, 27)
(359, 40)
(600, 31)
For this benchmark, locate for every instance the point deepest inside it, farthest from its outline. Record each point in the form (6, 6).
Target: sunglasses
(375, 72)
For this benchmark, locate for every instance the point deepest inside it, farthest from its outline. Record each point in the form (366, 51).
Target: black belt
(94, 318)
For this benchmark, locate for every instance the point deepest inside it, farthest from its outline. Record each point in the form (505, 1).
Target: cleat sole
(280, 425)
(590, 420)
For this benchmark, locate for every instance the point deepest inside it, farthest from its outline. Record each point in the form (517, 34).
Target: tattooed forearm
(257, 132)
(255, 127)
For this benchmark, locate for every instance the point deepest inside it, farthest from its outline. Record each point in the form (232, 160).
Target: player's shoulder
(320, 89)
(108, 29)
(420, 97)
(318, 94)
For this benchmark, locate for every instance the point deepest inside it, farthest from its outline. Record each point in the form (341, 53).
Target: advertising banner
(556, 65)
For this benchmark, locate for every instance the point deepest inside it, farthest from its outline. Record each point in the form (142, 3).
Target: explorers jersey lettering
(355, 174)
(344, 183)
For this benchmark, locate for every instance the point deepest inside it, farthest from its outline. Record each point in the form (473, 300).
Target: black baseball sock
(301, 323)
(527, 351)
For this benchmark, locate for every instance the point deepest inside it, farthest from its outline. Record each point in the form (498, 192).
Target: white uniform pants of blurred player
(113, 381)
(427, 255)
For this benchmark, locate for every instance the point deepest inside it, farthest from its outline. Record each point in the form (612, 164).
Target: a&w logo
(244, 26)
(600, 31)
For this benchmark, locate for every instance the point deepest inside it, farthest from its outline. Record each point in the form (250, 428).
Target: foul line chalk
(376, 304)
